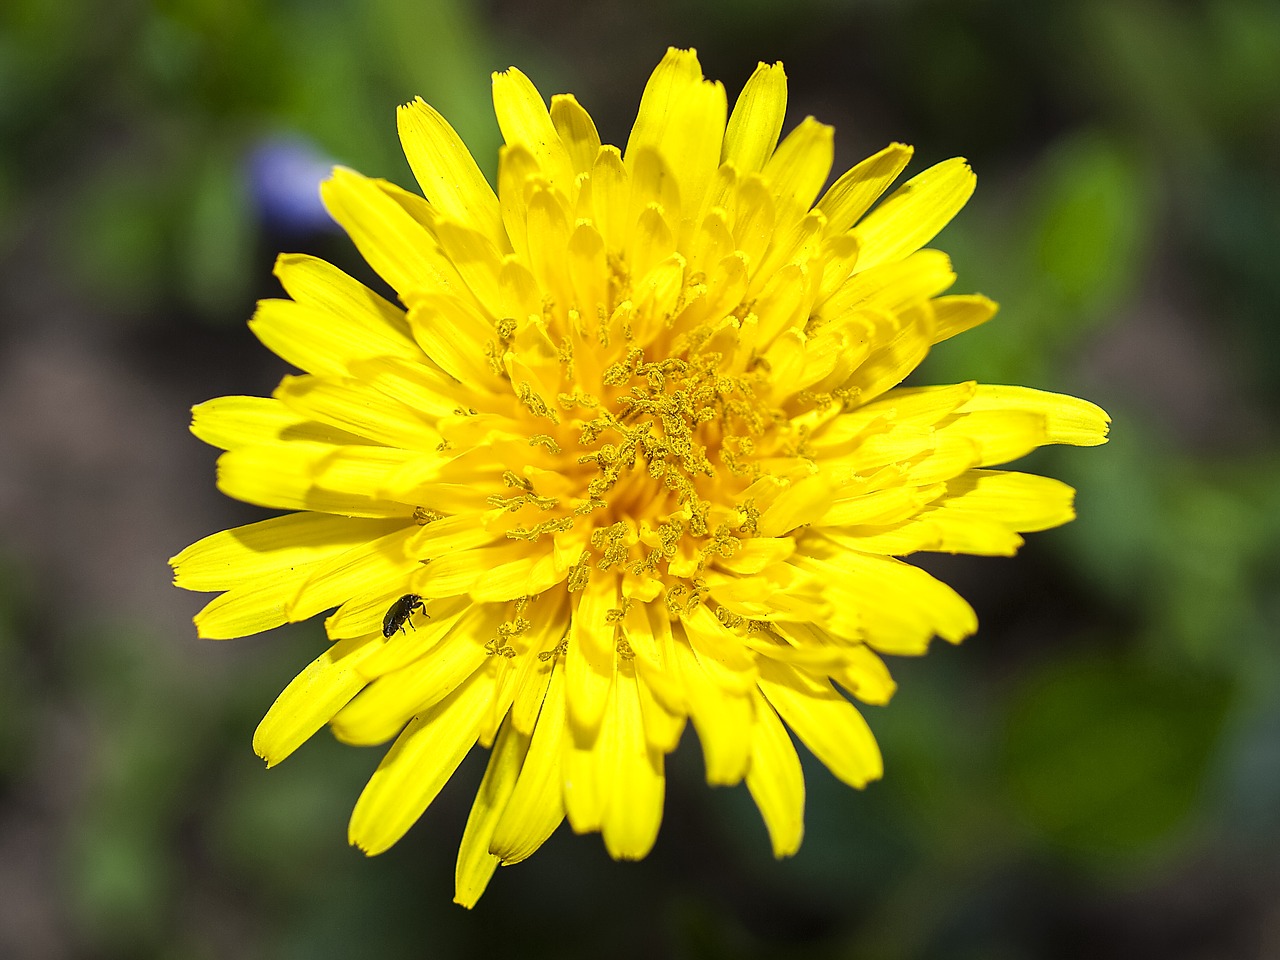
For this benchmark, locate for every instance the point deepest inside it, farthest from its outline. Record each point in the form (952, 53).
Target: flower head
(629, 452)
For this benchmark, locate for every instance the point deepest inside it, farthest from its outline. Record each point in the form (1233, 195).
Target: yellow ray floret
(629, 454)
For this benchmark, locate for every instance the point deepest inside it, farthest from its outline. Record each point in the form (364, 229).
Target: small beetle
(400, 613)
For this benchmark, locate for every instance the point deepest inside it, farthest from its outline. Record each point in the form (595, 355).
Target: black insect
(400, 614)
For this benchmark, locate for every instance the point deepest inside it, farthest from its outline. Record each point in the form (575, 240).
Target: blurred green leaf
(123, 880)
(218, 237)
(1105, 758)
(118, 247)
(1093, 217)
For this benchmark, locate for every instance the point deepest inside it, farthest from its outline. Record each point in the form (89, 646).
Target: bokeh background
(1095, 774)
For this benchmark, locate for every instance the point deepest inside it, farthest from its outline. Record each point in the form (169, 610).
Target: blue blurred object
(285, 171)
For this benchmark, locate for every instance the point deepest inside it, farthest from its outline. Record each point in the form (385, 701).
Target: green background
(1095, 774)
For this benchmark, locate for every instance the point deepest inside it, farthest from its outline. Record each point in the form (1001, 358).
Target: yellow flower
(631, 452)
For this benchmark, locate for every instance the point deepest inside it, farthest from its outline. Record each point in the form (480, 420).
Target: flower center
(656, 462)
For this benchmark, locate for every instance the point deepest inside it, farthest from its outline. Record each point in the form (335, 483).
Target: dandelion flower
(630, 451)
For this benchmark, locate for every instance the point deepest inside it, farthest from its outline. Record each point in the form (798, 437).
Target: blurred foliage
(1061, 787)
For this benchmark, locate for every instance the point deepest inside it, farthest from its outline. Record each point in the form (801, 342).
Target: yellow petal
(723, 720)
(719, 650)
(312, 698)
(332, 320)
(415, 768)
(504, 565)
(900, 607)
(757, 117)
(634, 810)
(475, 863)
(539, 658)
(900, 351)
(754, 215)
(246, 610)
(580, 773)
(865, 675)
(611, 199)
(757, 553)
(314, 342)
(393, 242)
(1023, 501)
(825, 722)
(478, 262)
(776, 781)
(799, 167)
(386, 704)
(518, 173)
(914, 213)
(536, 807)
(894, 285)
(859, 187)
(364, 569)
(577, 131)
(324, 289)
(662, 724)
(456, 335)
(350, 405)
(890, 505)
(421, 632)
(313, 476)
(242, 555)
(591, 658)
(230, 422)
(445, 169)
(925, 405)
(548, 226)
(960, 313)
(1067, 419)
(421, 385)
(682, 116)
(524, 121)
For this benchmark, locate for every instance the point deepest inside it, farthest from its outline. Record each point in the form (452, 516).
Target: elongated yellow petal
(524, 121)
(313, 476)
(248, 609)
(859, 187)
(536, 807)
(955, 315)
(825, 722)
(323, 289)
(360, 570)
(799, 167)
(351, 405)
(312, 698)
(395, 244)
(981, 513)
(455, 335)
(901, 607)
(591, 659)
(776, 781)
(475, 863)
(243, 555)
(1067, 419)
(757, 117)
(388, 703)
(722, 718)
(682, 117)
(577, 131)
(445, 169)
(230, 422)
(914, 213)
(417, 766)
(638, 787)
